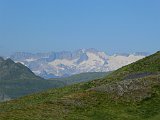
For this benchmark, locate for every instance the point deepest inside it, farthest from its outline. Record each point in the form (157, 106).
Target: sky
(113, 26)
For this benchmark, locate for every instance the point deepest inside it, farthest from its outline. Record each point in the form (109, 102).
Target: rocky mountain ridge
(65, 63)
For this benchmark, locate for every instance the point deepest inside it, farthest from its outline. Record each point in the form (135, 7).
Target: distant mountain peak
(141, 53)
(11, 70)
(69, 63)
(8, 60)
(92, 50)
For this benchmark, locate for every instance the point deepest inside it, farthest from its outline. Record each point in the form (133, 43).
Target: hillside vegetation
(130, 93)
(82, 77)
(17, 80)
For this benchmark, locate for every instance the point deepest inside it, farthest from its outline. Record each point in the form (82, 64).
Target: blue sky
(55, 25)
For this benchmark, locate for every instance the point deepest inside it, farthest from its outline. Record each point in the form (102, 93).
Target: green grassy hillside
(130, 93)
(150, 64)
(82, 77)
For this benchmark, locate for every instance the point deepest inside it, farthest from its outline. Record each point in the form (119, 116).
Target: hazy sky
(55, 25)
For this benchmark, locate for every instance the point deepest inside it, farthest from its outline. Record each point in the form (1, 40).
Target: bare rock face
(131, 89)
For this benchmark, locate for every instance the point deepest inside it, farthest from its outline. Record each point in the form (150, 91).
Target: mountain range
(130, 93)
(65, 63)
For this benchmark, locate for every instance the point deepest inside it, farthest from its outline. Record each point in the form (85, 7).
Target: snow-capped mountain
(60, 64)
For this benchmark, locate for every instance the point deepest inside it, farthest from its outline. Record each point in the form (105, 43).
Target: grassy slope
(147, 64)
(79, 102)
(21, 87)
(82, 77)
